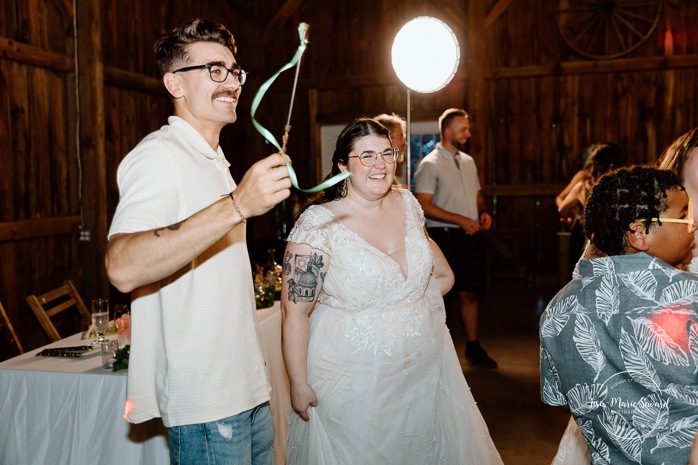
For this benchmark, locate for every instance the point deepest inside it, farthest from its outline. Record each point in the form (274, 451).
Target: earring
(343, 188)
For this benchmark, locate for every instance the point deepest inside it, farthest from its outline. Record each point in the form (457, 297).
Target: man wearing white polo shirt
(177, 244)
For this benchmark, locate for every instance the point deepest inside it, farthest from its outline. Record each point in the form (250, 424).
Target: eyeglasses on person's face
(369, 157)
(218, 72)
(690, 222)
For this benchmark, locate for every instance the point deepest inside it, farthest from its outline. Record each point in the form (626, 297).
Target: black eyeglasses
(218, 72)
(369, 158)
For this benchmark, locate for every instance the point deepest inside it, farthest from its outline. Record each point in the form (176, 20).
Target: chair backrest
(5, 321)
(54, 302)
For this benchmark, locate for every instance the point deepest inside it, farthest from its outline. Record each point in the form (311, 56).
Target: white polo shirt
(195, 351)
(455, 190)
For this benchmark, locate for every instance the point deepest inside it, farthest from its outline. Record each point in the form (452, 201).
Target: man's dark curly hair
(172, 48)
(621, 197)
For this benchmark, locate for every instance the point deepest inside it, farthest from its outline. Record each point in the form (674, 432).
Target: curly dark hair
(172, 48)
(621, 197)
(352, 132)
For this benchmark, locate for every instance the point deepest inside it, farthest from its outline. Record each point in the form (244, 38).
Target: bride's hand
(303, 397)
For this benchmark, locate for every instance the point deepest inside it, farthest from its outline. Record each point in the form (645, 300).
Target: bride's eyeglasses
(369, 157)
(690, 222)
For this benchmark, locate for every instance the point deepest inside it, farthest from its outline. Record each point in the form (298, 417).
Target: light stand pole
(408, 134)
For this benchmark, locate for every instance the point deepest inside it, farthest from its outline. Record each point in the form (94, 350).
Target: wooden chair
(47, 305)
(6, 323)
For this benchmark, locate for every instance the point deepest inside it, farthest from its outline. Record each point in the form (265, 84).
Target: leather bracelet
(237, 209)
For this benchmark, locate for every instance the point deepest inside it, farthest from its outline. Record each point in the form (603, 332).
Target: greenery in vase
(122, 355)
(265, 296)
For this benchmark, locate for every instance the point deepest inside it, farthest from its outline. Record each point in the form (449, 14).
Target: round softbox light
(425, 54)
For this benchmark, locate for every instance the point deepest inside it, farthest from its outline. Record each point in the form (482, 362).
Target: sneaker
(476, 354)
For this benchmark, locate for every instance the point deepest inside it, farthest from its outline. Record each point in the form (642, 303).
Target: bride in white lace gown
(375, 378)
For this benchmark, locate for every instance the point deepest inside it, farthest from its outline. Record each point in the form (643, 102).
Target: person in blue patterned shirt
(619, 343)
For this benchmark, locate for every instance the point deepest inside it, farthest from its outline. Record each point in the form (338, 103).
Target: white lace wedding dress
(389, 384)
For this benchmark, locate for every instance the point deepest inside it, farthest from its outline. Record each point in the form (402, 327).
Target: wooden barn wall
(39, 212)
(121, 99)
(535, 106)
(545, 104)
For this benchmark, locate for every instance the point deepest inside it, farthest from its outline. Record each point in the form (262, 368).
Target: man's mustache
(226, 93)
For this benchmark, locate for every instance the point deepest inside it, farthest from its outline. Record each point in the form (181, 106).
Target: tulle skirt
(573, 448)
(412, 407)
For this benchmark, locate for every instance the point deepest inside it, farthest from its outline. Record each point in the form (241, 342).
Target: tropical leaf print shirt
(619, 346)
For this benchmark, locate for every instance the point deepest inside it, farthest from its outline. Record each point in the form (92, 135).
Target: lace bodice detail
(361, 277)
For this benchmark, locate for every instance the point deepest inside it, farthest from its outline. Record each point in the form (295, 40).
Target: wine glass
(100, 318)
(122, 319)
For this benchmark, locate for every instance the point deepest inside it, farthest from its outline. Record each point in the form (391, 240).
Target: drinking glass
(100, 318)
(109, 349)
(122, 319)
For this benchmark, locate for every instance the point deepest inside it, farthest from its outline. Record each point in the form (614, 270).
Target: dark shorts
(465, 254)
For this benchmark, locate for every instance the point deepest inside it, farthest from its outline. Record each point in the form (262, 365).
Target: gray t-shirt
(455, 189)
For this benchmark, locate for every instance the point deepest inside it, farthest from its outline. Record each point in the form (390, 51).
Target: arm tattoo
(287, 263)
(307, 278)
(172, 227)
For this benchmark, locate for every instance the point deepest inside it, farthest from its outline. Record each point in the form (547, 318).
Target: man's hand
(485, 221)
(469, 226)
(263, 186)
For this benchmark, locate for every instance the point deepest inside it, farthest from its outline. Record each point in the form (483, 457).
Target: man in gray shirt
(448, 189)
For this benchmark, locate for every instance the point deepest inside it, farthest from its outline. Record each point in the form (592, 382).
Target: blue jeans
(243, 439)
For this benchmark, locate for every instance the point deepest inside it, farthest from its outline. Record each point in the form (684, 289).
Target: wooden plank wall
(43, 172)
(534, 104)
(545, 105)
(39, 214)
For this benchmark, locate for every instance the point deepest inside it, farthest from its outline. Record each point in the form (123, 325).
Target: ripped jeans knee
(243, 439)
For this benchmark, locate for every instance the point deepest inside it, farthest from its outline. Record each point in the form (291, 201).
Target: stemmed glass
(100, 318)
(122, 319)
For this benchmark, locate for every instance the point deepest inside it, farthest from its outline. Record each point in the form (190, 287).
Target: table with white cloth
(57, 410)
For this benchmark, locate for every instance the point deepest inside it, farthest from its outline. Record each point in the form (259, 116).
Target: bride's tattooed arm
(304, 276)
(304, 270)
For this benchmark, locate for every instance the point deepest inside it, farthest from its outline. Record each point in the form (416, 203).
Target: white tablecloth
(56, 410)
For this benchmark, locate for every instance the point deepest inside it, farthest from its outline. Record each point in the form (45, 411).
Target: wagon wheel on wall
(603, 29)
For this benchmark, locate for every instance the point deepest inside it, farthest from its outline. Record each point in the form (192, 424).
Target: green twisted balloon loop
(302, 31)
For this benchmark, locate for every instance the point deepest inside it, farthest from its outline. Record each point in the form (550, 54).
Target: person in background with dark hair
(580, 175)
(374, 376)
(448, 189)
(602, 159)
(618, 341)
(177, 244)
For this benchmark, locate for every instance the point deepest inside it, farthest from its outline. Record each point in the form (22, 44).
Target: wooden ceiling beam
(286, 11)
(30, 54)
(496, 11)
(658, 63)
